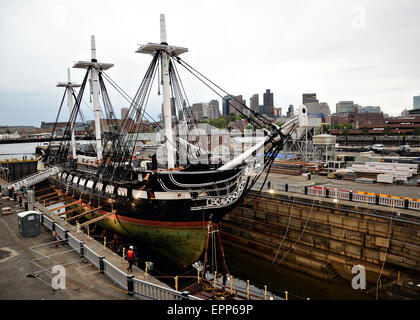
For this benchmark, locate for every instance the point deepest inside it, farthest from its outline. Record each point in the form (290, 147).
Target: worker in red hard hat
(131, 258)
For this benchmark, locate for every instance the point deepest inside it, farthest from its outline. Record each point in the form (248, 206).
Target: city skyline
(369, 56)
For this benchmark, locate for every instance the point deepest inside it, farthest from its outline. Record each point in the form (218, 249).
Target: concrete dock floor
(83, 280)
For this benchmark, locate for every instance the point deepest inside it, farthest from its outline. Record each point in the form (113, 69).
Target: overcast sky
(366, 51)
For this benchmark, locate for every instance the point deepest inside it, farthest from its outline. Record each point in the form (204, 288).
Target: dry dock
(325, 238)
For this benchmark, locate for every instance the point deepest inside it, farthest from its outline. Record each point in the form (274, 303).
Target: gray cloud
(246, 46)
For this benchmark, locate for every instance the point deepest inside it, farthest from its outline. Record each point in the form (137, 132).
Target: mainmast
(96, 66)
(69, 88)
(166, 50)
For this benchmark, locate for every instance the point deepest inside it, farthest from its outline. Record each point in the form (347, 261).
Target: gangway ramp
(34, 178)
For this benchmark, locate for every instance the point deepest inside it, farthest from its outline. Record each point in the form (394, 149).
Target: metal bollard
(130, 284)
(82, 250)
(287, 295)
(66, 236)
(101, 264)
(247, 289)
(184, 295)
(176, 283)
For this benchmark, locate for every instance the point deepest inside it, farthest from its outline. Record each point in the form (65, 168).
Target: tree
(388, 131)
(365, 131)
(326, 128)
(416, 131)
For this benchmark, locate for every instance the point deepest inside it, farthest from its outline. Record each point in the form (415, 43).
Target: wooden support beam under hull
(52, 198)
(75, 209)
(46, 195)
(65, 206)
(83, 214)
(97, 219)
(58, 201)
(41, 190)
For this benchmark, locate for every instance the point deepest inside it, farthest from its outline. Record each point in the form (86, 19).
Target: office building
(236, 106)
(416, 102)
(290, 111)
(226, 105)
(254, 102)
(309, 98)
(213, 109)
(268, 101)
(124, 113)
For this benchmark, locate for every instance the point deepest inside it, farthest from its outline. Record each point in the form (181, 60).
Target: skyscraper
(214, 112)
(236, 105)
(416, 102)
(268, 103)
(254, 102)
(200, 110)
(225, 105)
(124, 113)
(308, 98)
(290, 111)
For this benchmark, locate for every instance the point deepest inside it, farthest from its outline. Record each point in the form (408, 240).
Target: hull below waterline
(182, 243)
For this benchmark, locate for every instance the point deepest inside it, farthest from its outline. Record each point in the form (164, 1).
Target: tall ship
(168, 200)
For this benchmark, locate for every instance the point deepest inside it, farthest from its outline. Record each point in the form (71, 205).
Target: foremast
(165, 51)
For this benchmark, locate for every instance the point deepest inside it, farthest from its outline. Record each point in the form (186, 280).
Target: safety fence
(115, 274)
(91, 256)
(47, 222)
(60, 231)
(155, 292)
(349, 195)
(73, 242)
(134, 287)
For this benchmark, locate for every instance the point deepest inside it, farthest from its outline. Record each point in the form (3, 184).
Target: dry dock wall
(324, 238)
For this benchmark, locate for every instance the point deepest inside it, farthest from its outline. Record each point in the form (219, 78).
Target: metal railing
(47, 222)
(60, 231)
(349, 195)
(115, 274)
(91, 256)
(150, 291)
(414, 204)
(73, 242)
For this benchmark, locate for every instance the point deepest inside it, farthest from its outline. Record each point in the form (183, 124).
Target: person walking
(131, 258)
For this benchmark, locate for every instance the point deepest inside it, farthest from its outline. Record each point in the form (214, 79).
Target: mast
(167, 110)
(165, 51)
(69, 88)
(96, 66)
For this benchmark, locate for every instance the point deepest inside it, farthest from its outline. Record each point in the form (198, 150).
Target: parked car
(405, 147)
(378, 147)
